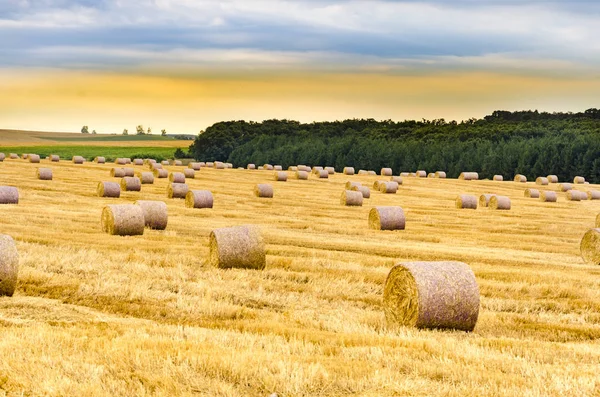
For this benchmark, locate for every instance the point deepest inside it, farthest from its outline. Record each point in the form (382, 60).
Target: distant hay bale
(293, 168)
(44, 174)
(405, 174)
(199, 199)
(263, 190)
(323, 174)
(348, 170)
(160, 173)
(34, 158)
(363, 172)
(9, 195)
(209, 164)
(120, 161)
(330, 170)
(25, 156)
(13, 156)
(351, 198)
(123, 220)
(260, 168)
(251, 166)
(138, 162)
(117, 172)
(565, 187)
(397, 179)
(413, 174)
(129, 171)
(268, 167)
(388, 187)
(437, 295)
(498, 178)
(131, 184)
(155, 166)
(178, 163)
(431, 175)
(149, 161)
(108, 189)
(593, 195)
(387, 218)
(520, 178)
(543, 181)
(576, 195)
(421, 174)
(371, 173)
(440, 174)
(469, 176)
(484, 200)
(549, 197)
(362, 189)
(177, 190)
(552, 178)
(499, 203)
(376, 184)
(280, 176)
(9, 265)
(2, 157)
(127, 160)
(590, 247)
(177, 177)
(228, 165)
(386, 172)
(189, 173)
(165, 162)
(466, 201)
(315, 170)
(78, 160)
(350, 184)
(156, 215)
(579, 180)
(532, 193)
(304, 168)
(194, 166)
(100, 160)
(302, 175)
(54, 158)
(240, 247)
(277, 168)
(147, 178)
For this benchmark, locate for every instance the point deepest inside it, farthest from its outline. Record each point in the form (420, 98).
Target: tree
(149, 130)
(179, 154)
(139, 130)
(125, 132)
(94, 132)
(85, 130)
(163, 132)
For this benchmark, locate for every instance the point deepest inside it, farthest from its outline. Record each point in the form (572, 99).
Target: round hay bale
(165, 162)
(387, 218)
(156, 215)
(120, 161)
(251, 166)
(108, 189)
(371, 173)
(498, 178)
(209, 164)
(302, 175)
(540, 180)
(405, 174)
(160, 173)
(304, 168)
(593, 195)
(413, 174)
(421, 174)
(440, 174)
(431, 175)
(240, 247)
(189, 173)
(138, 162)
(13, 156)
(177, 163)
(228, 165)
(350, 184)
(54, 158)
(469, 176)
(316, 169)
(123, 220)
(520, 178)
(268, 167)
(484, 200)
(576, 195)
(376, 184)
(199, 199)
(348, 170)
(44, 174)
(549, 197)
(499, 203)
(194, 166)
(579, 180)
(147, 178)
(2, 157)
(363, 189)
(565, 187)
(25, 156)
(388, 187)
(351, 198)
(260, 168)
(9, 265)
(466, 201)
(155, 166)
(100, 160)
(280, 176)
(129, 171)
(330, 170)
(9, 195)
(386, 172)
(442, 295)
(127, 160)
(78, 160)
(149, 161)
(131, 184)
(277, 168)
(363, 172)
(292, 168)
(532, 193)
(34, 158)
(323, 174)
(397, 179)
(263, 190)
(552, 178)
(177, 190)
(590, 247)
(177, 177)
(117, 172)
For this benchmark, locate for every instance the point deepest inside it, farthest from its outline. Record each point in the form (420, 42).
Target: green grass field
(111, 138)
(89, 152)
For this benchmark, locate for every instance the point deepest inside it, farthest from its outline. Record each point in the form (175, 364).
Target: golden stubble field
(95, 314)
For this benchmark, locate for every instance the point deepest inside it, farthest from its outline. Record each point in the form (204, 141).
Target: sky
(183, 65)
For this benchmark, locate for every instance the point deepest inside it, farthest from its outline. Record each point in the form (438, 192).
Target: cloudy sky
(185, 64)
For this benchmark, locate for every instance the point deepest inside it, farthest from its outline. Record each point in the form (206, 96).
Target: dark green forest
(527, 142)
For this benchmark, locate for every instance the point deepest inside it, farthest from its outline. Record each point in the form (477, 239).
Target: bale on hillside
(149, 161)
(593, 195)
(442, 295)
(498, 178)
(117, 172)
(13, 156)
(277, 168)
(590, 247)
(520, 178)
(147, 178)
(543, 181)
(421, 174)
(348, 170)
(160, 173)
(155, 214)
(44, 174)
(579, 180)
(209, 164)
(301, 175)
(165, 162)
(351, 198)
(386, 172)
(499, 203)
(108, 189)
(194, 166)
(54, 158)
(155, 166)
(550, 197)
(123, 220)
(268, 167)
(131, 184)
(100, 160)
(199, 199)
(387, 218)
(78, 160)
(363, 189)
(120, 161)
(484, 200)
(9, 265)
(34, 158)
(466, 201)
(552, 178)
(9, 195)
(565, 187)
(371, 173)
(263, 190)
(405, 174)
(532, 193)
(350, 184)
(388, 187)
(280, 176)
(469, 176)
(138, 162)
(304, 168)
(293, 168)
(189, 173)
(330, 170)
(576, 195)
(177, 163)
(240, 247)
(397, 179)
(251, 166)
(431, 175)
(323, 174)
(177, 190)
(177, 177)
(440, 174)
(363, 172)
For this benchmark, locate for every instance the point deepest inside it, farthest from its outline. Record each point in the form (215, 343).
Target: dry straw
(590, 247)
(156, 215)
(138, 162)
(468, 176)
(160, 173)
(323, 174)
(363, 189)
(240, 247)
(541, 180)
(177, 177)
(123, 220)
(499, 203)
(421, 174)
(280, 176)
(387, 218)
(593, 195)
(565, 187)
(330, 170)
(131, 184)
(34, 158)
(549, 197)
(54, 158)
(350, 184)
(484, 200)
(579, 180)
(194, 166)
(100, 160)
(388, 187)
(199, 199)
(277, 168)
(532, 193)
(351, 198)
(437, 295)
(44, 174)
(440, 174)
(9, 195)
(386, 172)
(9, 265)
(552, 178)
(189, 173)
(397, 179)
(498, 178)
(348, 170)
(177, 190)
(520, 178)
(78, 160)
(598, 220)
(263, 190)
(466, 201)
(108, 189)
(251, 166)
(147, 178)
(303, 175)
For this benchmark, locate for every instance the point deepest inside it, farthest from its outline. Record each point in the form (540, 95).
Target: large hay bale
(520, 178)
(260, 168)
(484, 200)
(590, 247)
(386, 172)
(117, 172)
(251, 166)
(351, 198)
(120, 161)
(177, 190)
(123, 220)
(498, 178)
(363, 189)
(44, 174)
(552, 178)
(228, 165)
(387, 218)
(194, 166)
(189, 173)
(34, 158)
(55, 158)
(576, 195)
(323, 174)
(541, 180)
(330, 170)
(277, 168)
(131, 184)
(388, 187)
(138, 162)
(363, 172)
(565, 187)
(100, 160)
(199, 199)
(348, 170)
(127, 160)
(78, 160)
(280, 176)
(263, 190)
(593, 195)
(160, 173)
(440, 174)
(178, 163)
(13, 156)
(466, 201)
(147, 178)
(550, 197)
(469, 176)
(156, 215)
(9, 265)
(442, 295)
(218, 165)
(108, 189)
(268, 167)
(397, 179)
(532, 193)
(149, 161)
(499, 203)
(240, 247)
(421, 174)
(579, 180)
(9, 195)
(302, 175)
(177, 177)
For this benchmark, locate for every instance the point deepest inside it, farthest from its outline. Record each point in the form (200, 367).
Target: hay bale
(280, 176)
(499, 203)
(322, 174)
(302, 175)
(129, 171)
(330, 170)
(498, 178)
(362, 189)
(155, 166)
(576, 195)
(304, 168)
(177, 190)
(25, 156)
(387, 218)
(543, 181)
(209, 164)
(194, 166)
(405, 174)
(442, 295)
(421, 174)
(469, 176)
(54, 158)
(123, 220)
(117, 172)
(240, 247)
(593, 195)
(351, 198)
(149, 161)
(138, 162)
(189, 173)
(228, 165)
(348, 170)
(532, 193)
(268, 167)
(147, 178)
(120, 161)
(484, 200)
(160, 173)
(44, 174)
(263, 190)
(78, 160)
(177, 163)
(34, 158)
(549, 197)
(466, 201)
(590, 247)
(100, 160)
(578, 180)
(199, 199)
(9, 195)
(292, 168)
(412, 174)
(108, 189)
(431, 175)
(552, 178)
(350, 184)
(131, 184)
(277, 168)
(13, 156)
(156, 215)
(376, 184)
(315, 170)
(2, 157)
(363, 172)
(388, 187)
(177, 177)
(251, 166)
(565, 187)
(165, 162)
(9, 265)
(386, 172)
(520, 178)
(218, 165)
(260, 168)
(397, 179)
(440, 174)
(371, 173)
